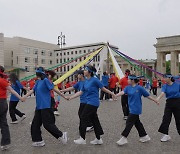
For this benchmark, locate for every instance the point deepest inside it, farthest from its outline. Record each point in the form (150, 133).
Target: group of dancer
(88, 89)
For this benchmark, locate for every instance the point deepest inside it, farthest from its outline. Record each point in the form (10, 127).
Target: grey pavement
(111, 118)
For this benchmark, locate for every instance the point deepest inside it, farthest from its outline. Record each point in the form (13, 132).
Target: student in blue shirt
(43, 112)
(78, 86)
(134, 92)
(91, 88)
(13, 111)
(172, 91)
(104, 81)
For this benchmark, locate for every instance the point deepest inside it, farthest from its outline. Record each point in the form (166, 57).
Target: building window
(43, 61)
(43, 52)
(84, 51)
(27, 50)
(57, 54)
(64, 60)
(26, 60)
(35, 51)
(50, 62)
(75, 52)
(71, 66)
(60, 54)
(71, 52)
(89, 50)
(67, 68)
(50, 53)
(61, 69)
(12, 62)
(68, 59)
(80, 59)
(67, 53)
(79, 51)
(35, 60)
(99, 58)
(57, 61)
(11, 53)
(84, 58)
(64, 53)
(27, 68)
(60, 60)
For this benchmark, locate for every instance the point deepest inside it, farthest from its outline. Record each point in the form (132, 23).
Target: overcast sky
(132, 25)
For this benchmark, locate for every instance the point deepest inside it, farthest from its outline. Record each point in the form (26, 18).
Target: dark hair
(1, 69)
(172, 79)
(13, 78)
(52, 73)
(93, 69)
(104, 73)
(135, 80)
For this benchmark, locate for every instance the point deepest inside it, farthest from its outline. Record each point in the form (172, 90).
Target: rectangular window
(71, 52)
(43, 61)
(65, 69)
(27, 50)
(71, 66)
(60, 54)
(50, 62)
(27, 68)
(84, 51)
(64, 53)
(67, 53)
(79, 51)
(60, 60)
(99, 58)
(57, 54)
(26, 59)
(43, 52)
(75, 52)
(35, 51)
(57, 61)
(11, 53)
(64, 60)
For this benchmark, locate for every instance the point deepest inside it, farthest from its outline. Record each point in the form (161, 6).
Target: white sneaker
(38, 144)
(89, 129)
(14, 122)
(22, 118)
(97, 142)
(4, 147)
(64, 138)
(165, 138)
(80, 141)
(110, 99)
(56, 113)
(125, 117)
(145, 139)
(122, 141)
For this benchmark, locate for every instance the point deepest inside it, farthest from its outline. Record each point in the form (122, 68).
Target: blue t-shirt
(134, 98)
(171, 91)
(79, 86)
(91, 87)
(42, 89)
(17, 87)
(105, 79)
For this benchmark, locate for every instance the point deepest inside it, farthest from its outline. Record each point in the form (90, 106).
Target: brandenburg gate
(168, 45)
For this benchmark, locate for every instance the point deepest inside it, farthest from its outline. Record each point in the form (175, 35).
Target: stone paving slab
(111, 118)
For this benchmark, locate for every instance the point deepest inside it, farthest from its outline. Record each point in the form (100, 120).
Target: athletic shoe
(125, 117)
(4, 147)
(145, 139)
(165, 138)
(110, 99)
(122, 141)
(14, 122)
(89, 129)
(23, 117)
(97, 142)
(38, 144)
(64, 138)
(80, 141)
(56, 113)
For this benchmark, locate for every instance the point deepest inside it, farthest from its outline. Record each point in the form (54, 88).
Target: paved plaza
(111, 118)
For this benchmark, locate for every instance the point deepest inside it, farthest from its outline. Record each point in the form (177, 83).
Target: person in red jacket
(124, 98)
(67, 85)
(112, 84)
(154, 86)
(23, 91)
(141, 82)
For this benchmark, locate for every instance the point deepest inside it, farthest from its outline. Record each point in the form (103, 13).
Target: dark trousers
(45, 117)
(103, 93)
(89, 113)
(13, 111)
(23, 92)
(5, 139)
(125, 106)
(131, 121)
(154, 90)
(81, 108)
(112, 90)
(172, 107)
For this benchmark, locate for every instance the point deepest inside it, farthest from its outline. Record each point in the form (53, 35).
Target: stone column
(2, 49)
(174, 63)
(161, 62)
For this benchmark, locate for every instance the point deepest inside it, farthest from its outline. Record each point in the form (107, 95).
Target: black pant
(45, 117)
(172, 107)
(5, 139)
(13, 111)
(53, 104)
(112, 90)
(125, 106)
(131, 121)
(154, 90)
(23, 92)
(103, 93)
(89, 113)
